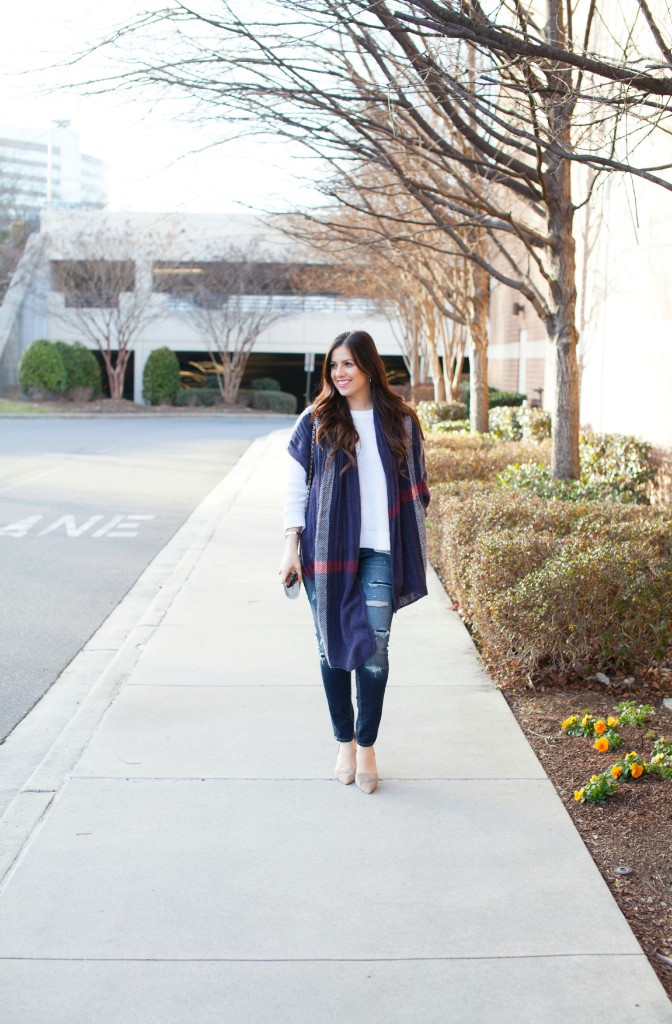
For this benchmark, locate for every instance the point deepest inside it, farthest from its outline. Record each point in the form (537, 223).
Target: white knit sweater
(372, 488)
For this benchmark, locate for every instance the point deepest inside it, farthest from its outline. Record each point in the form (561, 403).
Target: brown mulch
(634, 828)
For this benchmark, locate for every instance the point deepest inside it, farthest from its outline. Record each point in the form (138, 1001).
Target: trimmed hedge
(274, 401)
(431, 414)
(477, 457)
(265, 384)
(496, 397)
(198, 397)
(551, 588)
(41, 368)
(161, 379)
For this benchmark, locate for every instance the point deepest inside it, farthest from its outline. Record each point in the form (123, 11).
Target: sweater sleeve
(295, 494)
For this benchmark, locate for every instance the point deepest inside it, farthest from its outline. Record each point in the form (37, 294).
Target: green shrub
(452, 427)
(497, 398)
(503, 423)
(274, 401)
(198, 397)
(265, 384)
(613, 468)
(535, 424)
(41, 368)
(161, 380)
(432, 413)
(512, 423)
(82, 369)
(619, 465)
(554, 588)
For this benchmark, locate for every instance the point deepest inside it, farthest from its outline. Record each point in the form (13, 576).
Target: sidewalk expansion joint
(303, 778)
(310, 959)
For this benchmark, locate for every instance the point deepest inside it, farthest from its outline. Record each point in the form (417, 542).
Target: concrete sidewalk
(182, 855)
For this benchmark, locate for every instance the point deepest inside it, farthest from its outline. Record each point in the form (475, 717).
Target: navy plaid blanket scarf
(330, 540)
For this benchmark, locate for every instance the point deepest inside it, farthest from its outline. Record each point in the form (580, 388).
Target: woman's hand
(291, 561)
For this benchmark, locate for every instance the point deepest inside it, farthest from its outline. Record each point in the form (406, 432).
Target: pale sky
(136, 138)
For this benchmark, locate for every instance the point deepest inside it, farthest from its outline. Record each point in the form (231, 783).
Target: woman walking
(355, 534)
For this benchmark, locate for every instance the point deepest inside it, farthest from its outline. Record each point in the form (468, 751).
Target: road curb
(43, 760)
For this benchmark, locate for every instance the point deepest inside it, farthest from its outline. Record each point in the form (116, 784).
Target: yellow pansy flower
(616, 771)
(602, 744)
(613, 722)
(636, 770)
(578, 794)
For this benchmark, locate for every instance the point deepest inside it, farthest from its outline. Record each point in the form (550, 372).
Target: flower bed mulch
(634, 827)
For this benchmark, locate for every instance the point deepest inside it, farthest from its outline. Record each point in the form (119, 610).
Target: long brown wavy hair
(336, 427)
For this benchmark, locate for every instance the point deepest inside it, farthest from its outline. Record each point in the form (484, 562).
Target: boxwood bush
(161, 380)
(198, 397)
(82, 369)
(274, 401)
(41, 368)
(265, 384)
(431, 414)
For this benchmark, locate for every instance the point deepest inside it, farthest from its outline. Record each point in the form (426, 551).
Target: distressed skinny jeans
(375, 578)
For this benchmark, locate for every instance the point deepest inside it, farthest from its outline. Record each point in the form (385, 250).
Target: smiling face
(349, 380)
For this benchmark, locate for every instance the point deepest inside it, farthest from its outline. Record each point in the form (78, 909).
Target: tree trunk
(459, 367)
(478, 361)
(560, 214)
(119, 376)
(565, 464)
(413, 364)
(437, 375)
(116, 371)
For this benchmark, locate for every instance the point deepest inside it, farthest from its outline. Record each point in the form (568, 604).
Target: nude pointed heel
(345, 775)
(366, 781)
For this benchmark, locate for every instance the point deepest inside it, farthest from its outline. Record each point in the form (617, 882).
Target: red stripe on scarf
(333, 566)
(409, 494)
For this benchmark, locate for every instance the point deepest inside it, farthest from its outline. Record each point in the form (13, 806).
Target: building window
(94, 284)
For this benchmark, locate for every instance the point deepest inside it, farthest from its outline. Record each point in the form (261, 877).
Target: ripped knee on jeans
(378, 663)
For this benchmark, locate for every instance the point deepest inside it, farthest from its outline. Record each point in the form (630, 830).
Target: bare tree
(424, 292)
(398, 86)
(230, 299)
(106, 298)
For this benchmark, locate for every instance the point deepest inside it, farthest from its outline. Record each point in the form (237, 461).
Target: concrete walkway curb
(195, 860)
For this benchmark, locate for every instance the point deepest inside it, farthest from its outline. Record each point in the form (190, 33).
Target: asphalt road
(85, 505)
